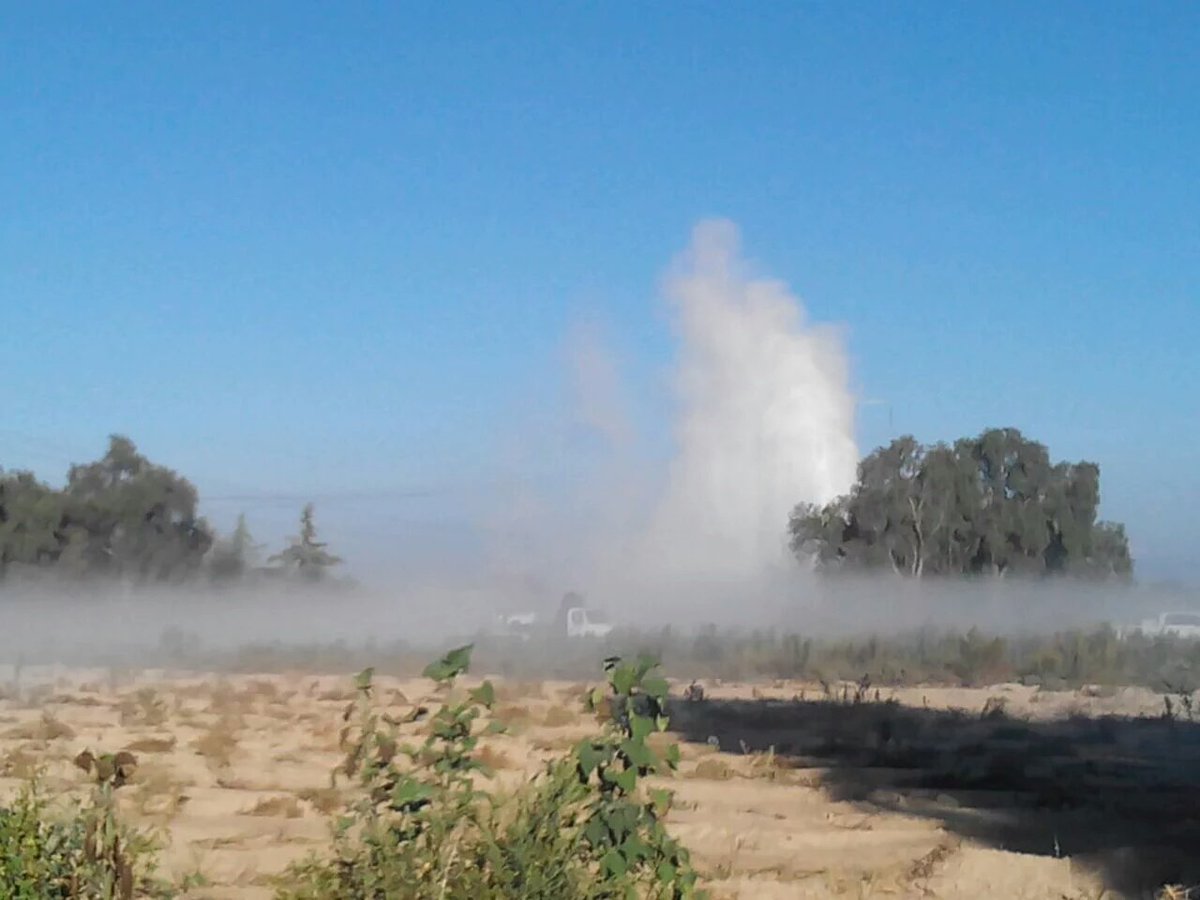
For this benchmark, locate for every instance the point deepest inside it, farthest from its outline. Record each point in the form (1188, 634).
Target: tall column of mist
(765, 420)
(762, 419)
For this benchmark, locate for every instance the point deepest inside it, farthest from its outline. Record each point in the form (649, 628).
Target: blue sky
(300, 248)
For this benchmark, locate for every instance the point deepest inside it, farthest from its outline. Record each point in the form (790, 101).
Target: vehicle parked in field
(573, 620)
(583, 623)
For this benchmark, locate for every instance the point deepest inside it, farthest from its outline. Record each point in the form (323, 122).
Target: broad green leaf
(613, 864)
(656, 686)
(638, 753)
(362, 681)
(661, 799)
(641, 728)
(454, 663)
(591, 755)
(484, 694)
(672, 755)
(622, 680)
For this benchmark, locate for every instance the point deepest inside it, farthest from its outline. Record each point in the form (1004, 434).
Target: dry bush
(145, 708)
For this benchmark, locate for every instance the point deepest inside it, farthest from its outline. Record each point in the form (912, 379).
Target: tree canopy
(305, 554)
(125, 517)
(994, 504)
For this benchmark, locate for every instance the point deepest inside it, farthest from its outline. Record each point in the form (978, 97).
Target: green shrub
(421, 827)
(89, 855)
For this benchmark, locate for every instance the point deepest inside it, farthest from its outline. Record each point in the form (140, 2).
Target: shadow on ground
(1120, 796)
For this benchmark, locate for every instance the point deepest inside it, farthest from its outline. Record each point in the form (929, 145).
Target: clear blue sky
(296, 247)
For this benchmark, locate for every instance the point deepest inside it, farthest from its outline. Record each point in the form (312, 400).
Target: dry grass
(218, 743)
(559, 717)
(160, 793)
(495, 758)
(144, 708)
(711, 769)
(511, 715)
(512, 691)
(47, 728)
(555, 744)
(275, 807)
(152, 745)
(17, 763)
(324, 800)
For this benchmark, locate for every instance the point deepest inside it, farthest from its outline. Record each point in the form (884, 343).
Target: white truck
(1175, 624)
(574, 620)
(585, 623)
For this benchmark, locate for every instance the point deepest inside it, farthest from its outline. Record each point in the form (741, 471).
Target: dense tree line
(990, 505)
(125, 517)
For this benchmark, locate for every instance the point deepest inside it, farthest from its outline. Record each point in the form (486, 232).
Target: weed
(419, 825)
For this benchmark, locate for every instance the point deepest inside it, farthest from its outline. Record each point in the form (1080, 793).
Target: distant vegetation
(125, 517)
(990, 505)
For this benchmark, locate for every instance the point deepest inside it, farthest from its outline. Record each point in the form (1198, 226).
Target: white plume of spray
(764, 420)
(766, 416)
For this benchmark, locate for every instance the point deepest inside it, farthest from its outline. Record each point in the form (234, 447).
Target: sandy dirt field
(786, 790)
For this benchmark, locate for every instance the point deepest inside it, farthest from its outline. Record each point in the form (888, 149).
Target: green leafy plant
(624, 825)
(421, 826)
(89, 855)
